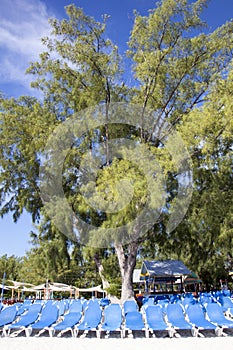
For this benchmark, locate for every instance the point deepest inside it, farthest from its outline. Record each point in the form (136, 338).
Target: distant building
(164, 276)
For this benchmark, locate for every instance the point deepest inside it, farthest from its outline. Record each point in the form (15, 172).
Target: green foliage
(25, 126)
(86, 66)
(115, 290)
(10, 265)
(204, 239)
(176, 67)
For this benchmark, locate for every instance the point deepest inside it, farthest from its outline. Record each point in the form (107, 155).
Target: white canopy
(92, 289)
(55, 287)
(4, 287)
(20, 284)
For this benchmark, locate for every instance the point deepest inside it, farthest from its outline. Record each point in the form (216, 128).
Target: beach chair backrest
(76, 306)
(129, 306)
(49, 312)
(214, 312)
(154, 313)
(174, 312)
(113, 315)
(133, 319)
(195, 312)
(92, 316)
(8, 315)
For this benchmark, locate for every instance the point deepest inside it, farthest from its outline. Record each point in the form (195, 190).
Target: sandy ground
(46, 343)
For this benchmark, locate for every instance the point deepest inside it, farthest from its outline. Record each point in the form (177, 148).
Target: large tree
(174, 71)
(204, 238)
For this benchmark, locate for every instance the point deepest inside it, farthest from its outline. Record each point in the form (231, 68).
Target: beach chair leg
(218, 331)
(201, 335)
(16, 333)
(171, 332)
(224, 334)
(65, 331)
(130, 333)
(177, 335)
(6, 331)
(41, 332)
(84, 334)
(28, 331)
(51, 332)
(123, 333)
(194, 332)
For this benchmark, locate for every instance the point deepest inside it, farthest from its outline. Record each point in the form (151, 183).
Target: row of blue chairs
(193, 317)
(188, 298)
(83, 316)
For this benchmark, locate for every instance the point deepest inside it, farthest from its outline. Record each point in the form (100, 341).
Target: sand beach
(46, 343)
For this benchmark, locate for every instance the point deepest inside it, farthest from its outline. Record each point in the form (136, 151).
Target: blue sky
(23, 23)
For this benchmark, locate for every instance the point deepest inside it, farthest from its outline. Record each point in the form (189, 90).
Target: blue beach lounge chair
(196, 317)
(68, 320)
(49, 316)
(91, 321)
(7, 315)
(155, 320)
(215, 315)
(176, 318)
(66, 325)
(133, 322)
(24, 307)
(25, 320)
(112, 320)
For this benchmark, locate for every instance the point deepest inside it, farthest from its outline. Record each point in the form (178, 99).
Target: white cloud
(22, 25)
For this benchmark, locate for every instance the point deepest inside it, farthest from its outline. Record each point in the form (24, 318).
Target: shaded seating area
(164, 275)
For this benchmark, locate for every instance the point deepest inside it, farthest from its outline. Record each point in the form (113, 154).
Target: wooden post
(181, 284)
(76, 293)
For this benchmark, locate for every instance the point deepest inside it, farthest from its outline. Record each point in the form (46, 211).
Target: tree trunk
(105, 282)
(100, 267)
(127, 264)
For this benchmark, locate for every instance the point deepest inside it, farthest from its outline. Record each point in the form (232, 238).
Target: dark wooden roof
(164, 268)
